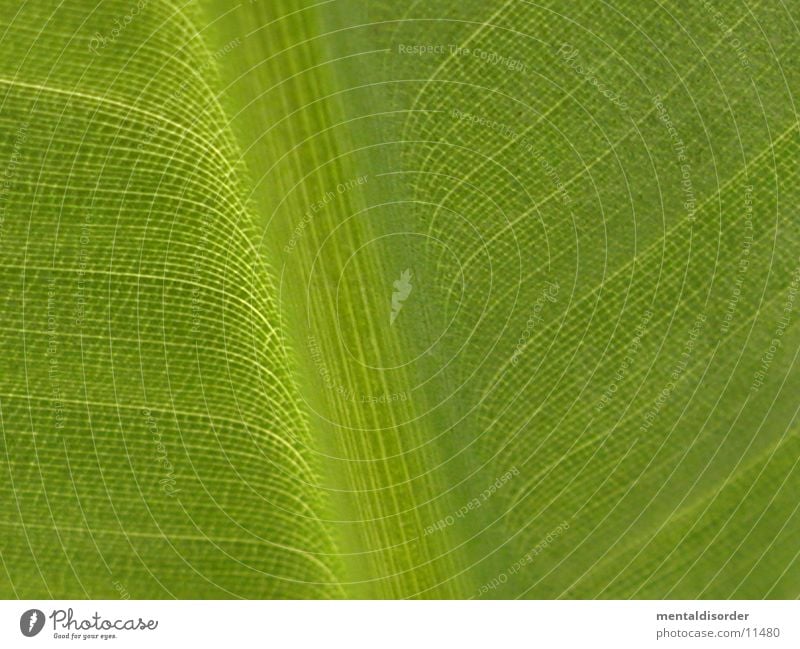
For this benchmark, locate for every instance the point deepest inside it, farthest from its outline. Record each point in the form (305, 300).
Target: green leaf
(399, 299)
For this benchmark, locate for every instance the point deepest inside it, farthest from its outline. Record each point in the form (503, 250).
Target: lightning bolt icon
(32, 621)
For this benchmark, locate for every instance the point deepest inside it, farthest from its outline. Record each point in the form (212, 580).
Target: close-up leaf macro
(389, 299)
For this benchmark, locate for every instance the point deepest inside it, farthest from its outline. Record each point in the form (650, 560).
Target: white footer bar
(399, 624)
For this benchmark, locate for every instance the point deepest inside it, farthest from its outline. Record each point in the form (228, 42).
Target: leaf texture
(399, 299)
